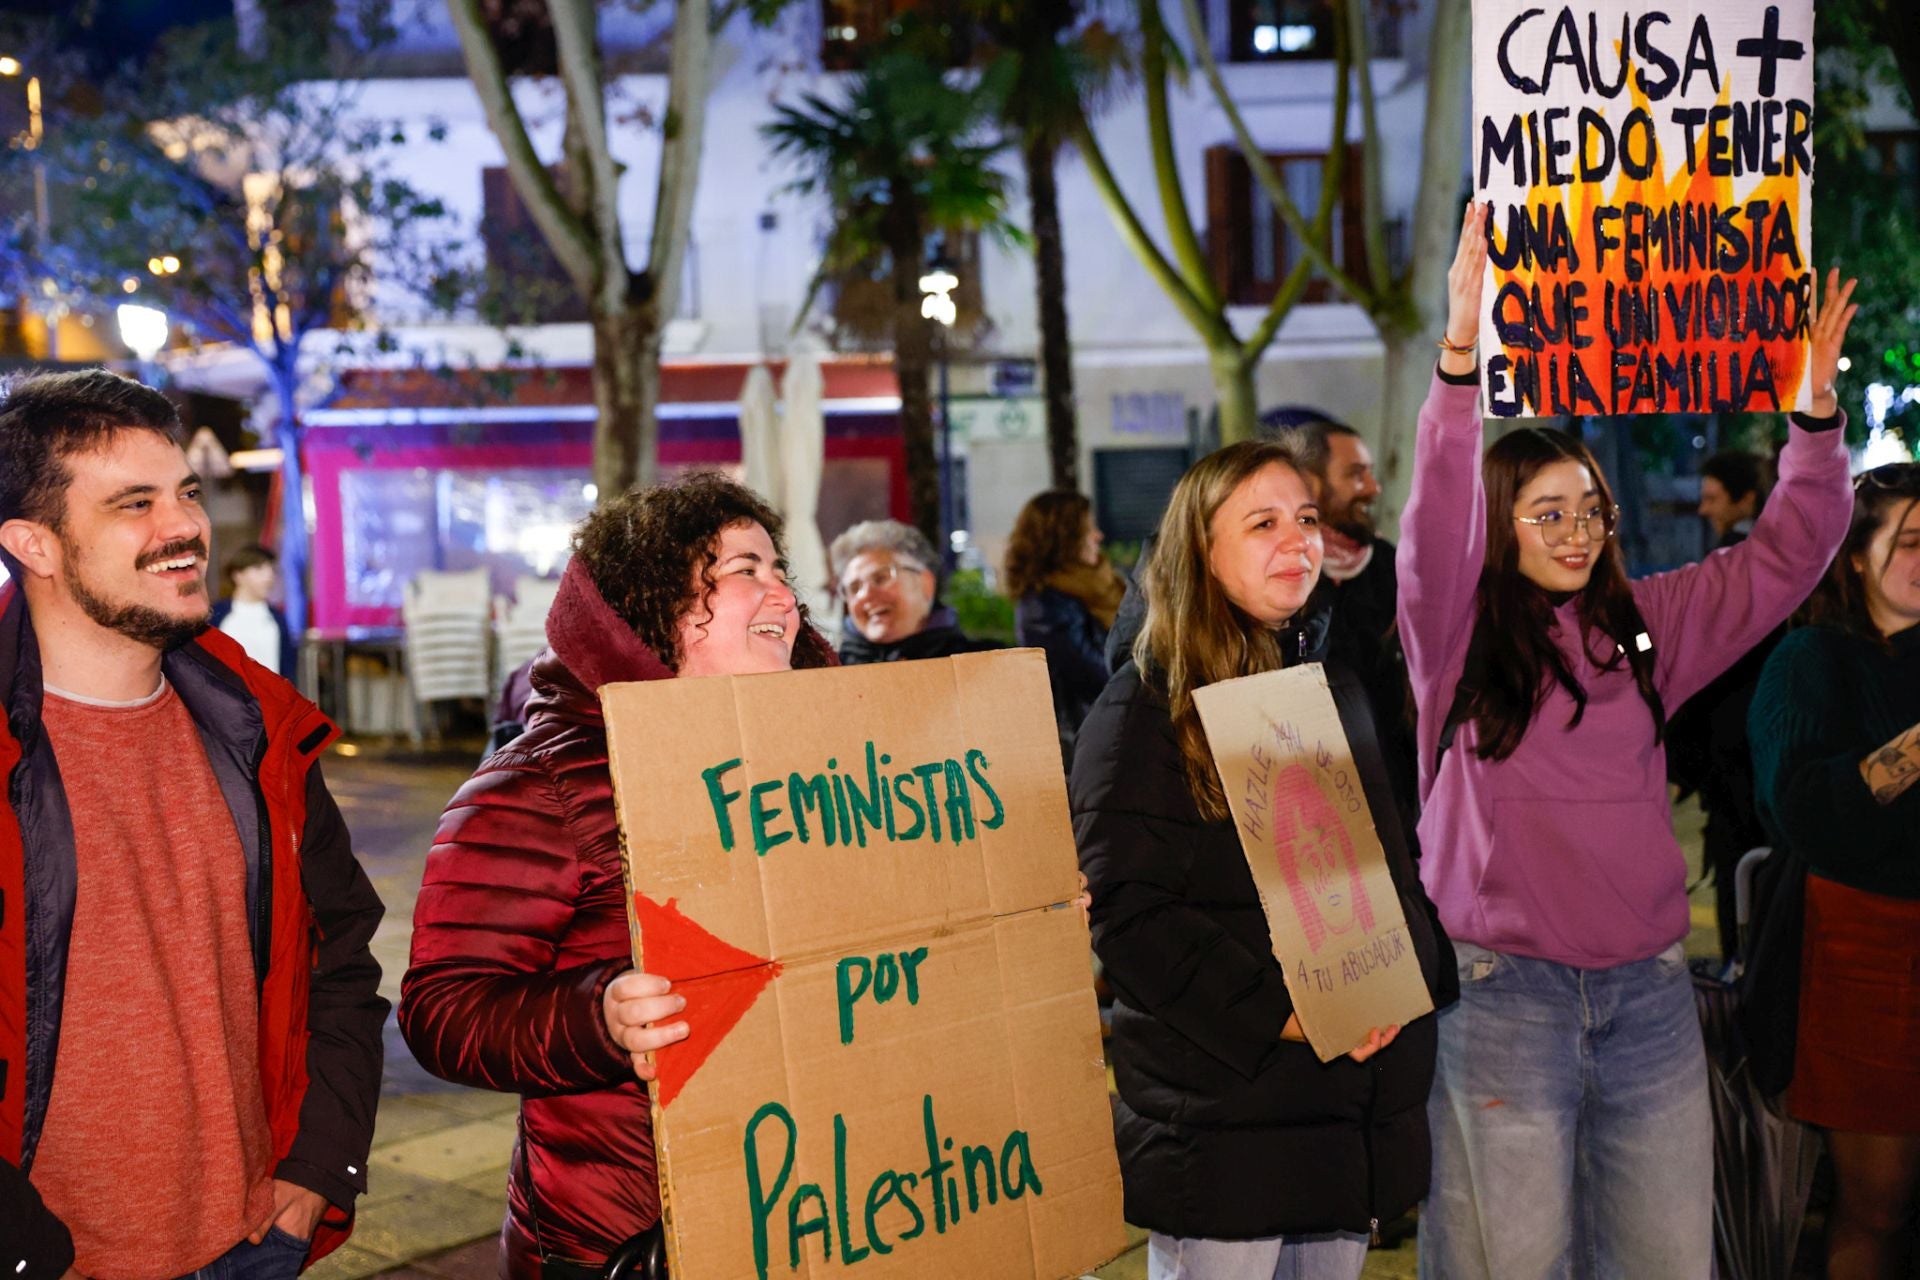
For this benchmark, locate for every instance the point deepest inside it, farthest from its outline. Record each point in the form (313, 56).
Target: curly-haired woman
(1066, 595)
(1836, 746)
(520, 977)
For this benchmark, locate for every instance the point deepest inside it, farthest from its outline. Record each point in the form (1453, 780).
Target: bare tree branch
(1372, 199)
(1207, 320)
(690, 71)
(1187, 250)
(575, 249)
(576, 37)
(1313, 238)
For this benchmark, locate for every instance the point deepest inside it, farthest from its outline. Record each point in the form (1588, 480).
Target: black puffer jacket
(1074, 642)
(1224, 1130)
(941, 637)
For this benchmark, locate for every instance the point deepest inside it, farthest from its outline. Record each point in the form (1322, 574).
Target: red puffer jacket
(520, 925)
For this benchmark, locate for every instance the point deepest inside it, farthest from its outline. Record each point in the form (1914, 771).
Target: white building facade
(1141, 373)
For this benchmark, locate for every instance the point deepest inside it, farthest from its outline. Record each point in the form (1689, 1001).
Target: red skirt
(1857, 1062)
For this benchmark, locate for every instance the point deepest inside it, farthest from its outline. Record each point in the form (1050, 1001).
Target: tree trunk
(625, 384)
(912, 362)
(294, 550)
(1239, 402)
(1056, 344)
(1410, 351)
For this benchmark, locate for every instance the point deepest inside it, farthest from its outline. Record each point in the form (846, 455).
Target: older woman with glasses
(1569, 1112)
(884, 571)
(1836, 734)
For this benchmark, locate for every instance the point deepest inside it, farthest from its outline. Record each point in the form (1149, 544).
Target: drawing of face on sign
(1317, 859)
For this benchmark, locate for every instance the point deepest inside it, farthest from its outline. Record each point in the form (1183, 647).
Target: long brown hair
(1512, 656)
(1881, 496)
(1194, 636)
(1047, 537)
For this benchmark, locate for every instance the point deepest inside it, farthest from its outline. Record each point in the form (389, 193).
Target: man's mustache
(173, 551)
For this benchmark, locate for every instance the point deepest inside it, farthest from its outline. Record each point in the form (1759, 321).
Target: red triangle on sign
(719, 980)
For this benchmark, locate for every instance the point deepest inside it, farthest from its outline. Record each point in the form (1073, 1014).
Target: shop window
(1251, 246)
(397, 523)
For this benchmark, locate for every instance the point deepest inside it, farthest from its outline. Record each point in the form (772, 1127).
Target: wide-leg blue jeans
(1334, 1256)
(1572, 1138)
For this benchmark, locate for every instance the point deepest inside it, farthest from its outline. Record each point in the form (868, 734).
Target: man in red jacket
(189, 1021)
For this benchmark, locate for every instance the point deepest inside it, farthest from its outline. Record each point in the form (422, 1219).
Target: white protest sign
(1650, 167)
(1332, 910)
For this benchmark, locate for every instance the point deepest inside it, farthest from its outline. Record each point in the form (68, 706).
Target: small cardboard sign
(861, 879)
(1332, 910)
(1650, 166)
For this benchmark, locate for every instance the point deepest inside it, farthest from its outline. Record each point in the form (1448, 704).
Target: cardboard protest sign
(1332, 910)
(1650, 167)
(861, 880)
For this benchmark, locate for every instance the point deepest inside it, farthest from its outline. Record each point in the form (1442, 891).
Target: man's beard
(137, 622)
(1357, 523)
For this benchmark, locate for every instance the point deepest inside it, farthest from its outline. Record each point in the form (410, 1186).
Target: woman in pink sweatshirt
(1569, 1111)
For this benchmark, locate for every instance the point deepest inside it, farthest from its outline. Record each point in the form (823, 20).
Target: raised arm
(1443, 529)
(1704, 616)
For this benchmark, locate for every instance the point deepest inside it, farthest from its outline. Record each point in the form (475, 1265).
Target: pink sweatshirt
(1565, 851)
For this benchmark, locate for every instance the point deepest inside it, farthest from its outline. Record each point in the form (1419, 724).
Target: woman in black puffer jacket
(1240, 1151)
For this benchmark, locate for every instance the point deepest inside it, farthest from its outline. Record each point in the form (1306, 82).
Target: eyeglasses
(1558, 527)
(1896, 477)
(880, 579)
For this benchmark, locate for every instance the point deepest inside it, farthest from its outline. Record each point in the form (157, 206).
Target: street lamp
(937, 305)
(143, 329)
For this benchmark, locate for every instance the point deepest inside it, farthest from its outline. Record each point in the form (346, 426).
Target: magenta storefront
(402, 484)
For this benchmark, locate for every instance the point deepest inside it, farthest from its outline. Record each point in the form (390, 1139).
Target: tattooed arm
(1894, 767)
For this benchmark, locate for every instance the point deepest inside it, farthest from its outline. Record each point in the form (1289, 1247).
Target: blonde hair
(1194, 636)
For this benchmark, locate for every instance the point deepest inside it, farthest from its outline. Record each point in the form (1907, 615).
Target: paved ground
(437, 1177)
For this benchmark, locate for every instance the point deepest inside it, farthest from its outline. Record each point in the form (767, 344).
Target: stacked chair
(446, 616)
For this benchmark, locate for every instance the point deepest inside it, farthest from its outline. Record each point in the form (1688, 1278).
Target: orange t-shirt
(156, 1151)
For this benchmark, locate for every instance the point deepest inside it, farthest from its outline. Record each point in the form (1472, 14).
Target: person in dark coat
(1065, 595)
(1358, 578)
(1240, 1151)
(1707, 747)
(1836, 734)
(1359, 566)
(883, 570)
(521, 976)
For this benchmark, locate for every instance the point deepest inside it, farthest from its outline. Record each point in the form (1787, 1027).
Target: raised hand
(636, 1007)
(1830, 321)
(1464, 286)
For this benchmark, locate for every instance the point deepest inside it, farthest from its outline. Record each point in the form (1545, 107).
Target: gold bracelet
(1458, 351)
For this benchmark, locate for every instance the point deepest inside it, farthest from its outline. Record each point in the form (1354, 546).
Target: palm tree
(1054, 72)
(901, 156)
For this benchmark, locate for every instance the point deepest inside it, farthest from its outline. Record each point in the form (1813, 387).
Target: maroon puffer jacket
(520, 925)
